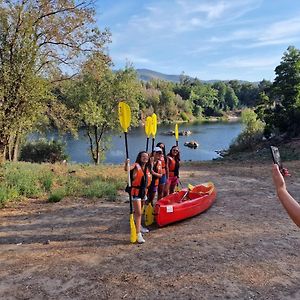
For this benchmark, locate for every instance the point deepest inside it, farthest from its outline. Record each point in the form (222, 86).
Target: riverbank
(243, 247)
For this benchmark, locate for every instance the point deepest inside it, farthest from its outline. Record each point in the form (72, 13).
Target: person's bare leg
(137, 215)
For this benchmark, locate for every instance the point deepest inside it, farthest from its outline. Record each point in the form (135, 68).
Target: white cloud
(189, 15)
(247, 62)
(283, 32)
(131, 57)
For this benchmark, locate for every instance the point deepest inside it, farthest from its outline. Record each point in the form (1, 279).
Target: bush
(7, 193)
(184, 116)
(57, 195)
(43, 151)
(99, 189)
(251, 135)
(24, 181)
(46, 180)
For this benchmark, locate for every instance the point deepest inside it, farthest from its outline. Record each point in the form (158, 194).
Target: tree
(230, 99)
(284, 116)
(38, 39)
(95, 95)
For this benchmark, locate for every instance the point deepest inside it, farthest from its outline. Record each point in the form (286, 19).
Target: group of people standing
(153, 174)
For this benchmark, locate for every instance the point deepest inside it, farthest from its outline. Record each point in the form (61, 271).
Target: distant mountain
(147, 75)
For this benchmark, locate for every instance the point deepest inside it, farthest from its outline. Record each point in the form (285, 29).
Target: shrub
(7, 193)
(46, 180)
(99, 189)
(43, 151)
(24, 181)
(251, 135)
(184, 116)
(57, 195)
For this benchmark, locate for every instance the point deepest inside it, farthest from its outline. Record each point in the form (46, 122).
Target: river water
(211, 136)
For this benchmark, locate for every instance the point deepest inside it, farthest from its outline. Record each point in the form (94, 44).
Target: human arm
(158, 172)
(126, 164)
(289, 203)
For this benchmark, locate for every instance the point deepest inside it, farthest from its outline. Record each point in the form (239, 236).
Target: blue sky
(208, 39)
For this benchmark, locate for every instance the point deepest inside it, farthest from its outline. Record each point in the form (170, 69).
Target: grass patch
(56, 181)
(57, 195)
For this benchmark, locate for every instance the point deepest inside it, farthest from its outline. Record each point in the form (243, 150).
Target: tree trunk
(2, 152)
(15, 153)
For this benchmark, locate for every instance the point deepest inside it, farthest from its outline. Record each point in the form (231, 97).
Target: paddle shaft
(128, 173)
(147, 144)
(153, 139)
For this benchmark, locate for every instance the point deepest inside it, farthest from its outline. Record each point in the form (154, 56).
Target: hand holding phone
(276, 157)
(277, 160)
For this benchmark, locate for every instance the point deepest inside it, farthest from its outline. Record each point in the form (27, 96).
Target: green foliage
(279, 105)
(100, 189)
(57, 195)
(7, 193)
(184, 116)
(251, 135)
(57, 181)
(38, 38)
(24, 181)
(95, 95)
(43, 151)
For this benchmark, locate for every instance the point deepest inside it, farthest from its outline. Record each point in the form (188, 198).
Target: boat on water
(184, 204)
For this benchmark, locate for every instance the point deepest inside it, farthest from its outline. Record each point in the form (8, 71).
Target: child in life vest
(165, 172)
(173, 165)
(140, 182)
(156, 171)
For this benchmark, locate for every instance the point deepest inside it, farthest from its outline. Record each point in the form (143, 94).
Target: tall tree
(39, 39)
(285, 116)
(95, 95)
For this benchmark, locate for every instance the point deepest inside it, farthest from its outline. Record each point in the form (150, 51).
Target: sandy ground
(243, 247)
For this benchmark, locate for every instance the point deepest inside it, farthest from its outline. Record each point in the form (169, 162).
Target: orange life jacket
(136, 184)
(172, 166)
(163, 165)
(157, 169)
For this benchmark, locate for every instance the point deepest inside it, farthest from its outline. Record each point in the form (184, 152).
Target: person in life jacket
(162, 191)
(156, 171)
(173, 165)
(140, 181)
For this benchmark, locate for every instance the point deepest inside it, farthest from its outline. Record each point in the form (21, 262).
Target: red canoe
(184, 204)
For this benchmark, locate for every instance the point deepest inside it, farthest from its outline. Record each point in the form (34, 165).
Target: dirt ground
(243, 247)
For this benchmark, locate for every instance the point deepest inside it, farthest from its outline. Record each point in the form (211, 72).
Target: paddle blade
(149, 216)
(176, 132)
(190, 187)
(124, 115)
(133, 236)
(154, 125)
(148, 126)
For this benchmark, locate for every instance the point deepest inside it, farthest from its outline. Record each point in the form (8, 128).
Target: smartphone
(276, 157)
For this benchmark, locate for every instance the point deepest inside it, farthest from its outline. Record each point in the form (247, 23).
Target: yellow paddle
(148, 130)
(149, 216)
(125, 117)
(190, 187)
(176, 134)
(153, 129)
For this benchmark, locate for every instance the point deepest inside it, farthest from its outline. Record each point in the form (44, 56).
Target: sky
(207, 39)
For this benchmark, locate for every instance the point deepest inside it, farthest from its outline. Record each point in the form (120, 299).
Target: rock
(191, 144)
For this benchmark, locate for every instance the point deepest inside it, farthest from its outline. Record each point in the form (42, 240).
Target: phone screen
(276, 157)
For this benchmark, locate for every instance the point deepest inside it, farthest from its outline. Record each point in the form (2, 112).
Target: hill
(147, 75)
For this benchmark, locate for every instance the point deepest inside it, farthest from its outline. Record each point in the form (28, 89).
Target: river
(211, 136)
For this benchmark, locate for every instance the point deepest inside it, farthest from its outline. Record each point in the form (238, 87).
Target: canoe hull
(184, 204)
